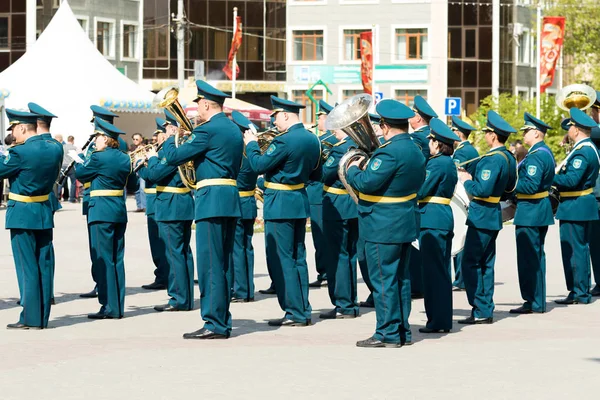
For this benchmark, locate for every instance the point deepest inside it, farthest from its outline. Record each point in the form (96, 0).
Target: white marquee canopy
(65, 73)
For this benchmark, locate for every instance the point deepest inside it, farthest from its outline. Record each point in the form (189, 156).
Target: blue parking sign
(452, 105)
(378, 97)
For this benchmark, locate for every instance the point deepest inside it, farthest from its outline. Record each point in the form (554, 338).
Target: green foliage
(512, 108)
(582, 29)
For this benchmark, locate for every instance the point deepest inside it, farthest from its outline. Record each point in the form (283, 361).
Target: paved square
(143, 356)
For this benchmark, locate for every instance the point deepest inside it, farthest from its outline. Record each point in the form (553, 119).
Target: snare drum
(459, 205)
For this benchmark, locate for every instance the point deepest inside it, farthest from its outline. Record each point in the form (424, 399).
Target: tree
(512, 108)
(581, 46)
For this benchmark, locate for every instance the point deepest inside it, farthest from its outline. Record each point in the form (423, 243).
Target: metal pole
(180, 45)
(234, 64)
(538, 53)
(495, 48)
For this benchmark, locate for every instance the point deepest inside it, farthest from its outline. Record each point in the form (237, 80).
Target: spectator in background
(520, 151)
(154, 139)
(8, 141)
(71, 180)
(140, 195)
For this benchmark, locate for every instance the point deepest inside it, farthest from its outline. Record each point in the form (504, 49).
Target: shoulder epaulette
(385, 144)
(339, 143)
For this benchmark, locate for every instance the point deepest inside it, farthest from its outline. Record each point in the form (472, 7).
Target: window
(523, 93)
(307, 115)
(347, 93)
(4, 42)
(352, 44)
(156, 43)
(524, 48)
(104, 38)
(129, 41)
(39, 3)
(407, 96)
(411, 44)
(308, 45)
(84, 24)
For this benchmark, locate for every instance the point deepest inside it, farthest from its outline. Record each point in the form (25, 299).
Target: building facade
(13, 35)
(409, 49)
(208, 34)
(114, 26)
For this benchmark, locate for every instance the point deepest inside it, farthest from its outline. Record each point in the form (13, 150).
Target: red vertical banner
(236, 42)
(553, 33)
(366, 61)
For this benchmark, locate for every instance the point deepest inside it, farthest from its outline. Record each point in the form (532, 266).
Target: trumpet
(141, 153)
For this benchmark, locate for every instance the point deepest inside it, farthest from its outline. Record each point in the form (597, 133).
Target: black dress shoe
(372, 343)
(595, 291)
(24, 327)
(334, 314)
(270, 290)
(90, 295)
(366, 304)
(416, 296)
(318, 283)
(53, 301)
(458, 289)
(567, 301)
(101, 315)
(204, 334)
(521, 310)
(154, 286)
(429, 330)
(18, 302)
(195, 280)
(287, 322)
(476, 321)
(167, 307)
(240, 300)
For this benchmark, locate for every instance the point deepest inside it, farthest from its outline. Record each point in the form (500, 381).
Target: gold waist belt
(216, 182)
(493, 200)
(106, 193)
(28, 199)
(436, 200)
(246, 193)
(540, 195)
(577, 193)
(283, 186)
(172, 189)
(328, 189)
(386, 199)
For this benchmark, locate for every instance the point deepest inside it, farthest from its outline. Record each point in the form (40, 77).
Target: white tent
(65, 73)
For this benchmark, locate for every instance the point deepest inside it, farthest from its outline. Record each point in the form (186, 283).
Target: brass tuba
(352, 117)
(578, 96)
(167, 98)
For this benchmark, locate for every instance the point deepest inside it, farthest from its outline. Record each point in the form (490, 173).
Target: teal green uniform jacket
(419, 137)
(337, 207)
(465, 152)
(60, 151)
(216, 148)
(396, 169)
(291, 159)
(106, 170)
(440, 180)
(579, 173)
(490, 180)
(26, 167)
(314, 190)
(150, 197)
(246, 182)
(169, 206)
(536, 174)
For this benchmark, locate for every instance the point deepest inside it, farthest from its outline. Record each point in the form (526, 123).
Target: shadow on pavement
(69, 320)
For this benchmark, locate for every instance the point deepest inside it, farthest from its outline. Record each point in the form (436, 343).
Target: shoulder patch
(577, 163)
(375, 164)
(271, 149)
(486, 174)
(191, 138)
(456, 162)
(87, 160)
(427, 172)
(531, 170)
(7, 158)
(329, 161)
(163, 161)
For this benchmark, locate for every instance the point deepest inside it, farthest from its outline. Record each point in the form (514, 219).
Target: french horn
(167, 99)
(352, 117)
